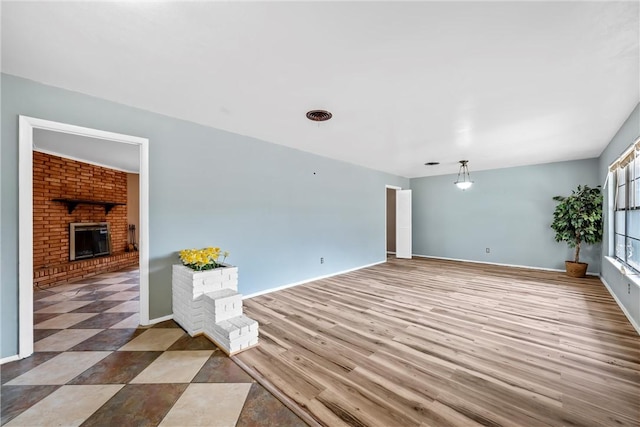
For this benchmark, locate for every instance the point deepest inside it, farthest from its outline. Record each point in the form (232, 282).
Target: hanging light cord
(464, 170)
(465, 173)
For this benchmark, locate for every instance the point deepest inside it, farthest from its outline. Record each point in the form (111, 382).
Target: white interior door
(403, 224)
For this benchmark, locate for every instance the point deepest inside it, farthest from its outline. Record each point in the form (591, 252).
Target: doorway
(391, 221)
(27, 127)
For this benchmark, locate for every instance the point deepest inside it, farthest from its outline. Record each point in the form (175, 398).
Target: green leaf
(578, 218)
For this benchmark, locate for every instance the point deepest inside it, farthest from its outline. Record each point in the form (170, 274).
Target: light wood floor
(441, 343)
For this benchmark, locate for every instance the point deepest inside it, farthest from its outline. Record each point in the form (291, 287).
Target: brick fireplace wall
(57, 177)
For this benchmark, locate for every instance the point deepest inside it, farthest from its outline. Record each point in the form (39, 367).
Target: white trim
(78, 159)
(499, 264)
(624, 270)
(25, 236)
(160, 319)
(610, 215)
(622, 307)
(83, 131)
(9, 359)
(25, 218)
(393, 187)
(143, 244)
(302, 282)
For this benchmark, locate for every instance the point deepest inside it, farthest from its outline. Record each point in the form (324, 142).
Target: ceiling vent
(319, 115)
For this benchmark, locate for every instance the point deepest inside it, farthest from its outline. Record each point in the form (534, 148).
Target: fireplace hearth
(89, 240)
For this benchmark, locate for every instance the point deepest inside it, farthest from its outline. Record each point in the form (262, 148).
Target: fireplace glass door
(89, 240)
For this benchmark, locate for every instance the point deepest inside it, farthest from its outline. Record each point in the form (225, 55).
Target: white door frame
(393, 187)
(25, 218)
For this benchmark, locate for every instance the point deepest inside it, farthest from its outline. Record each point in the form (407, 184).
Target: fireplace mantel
(72, 203)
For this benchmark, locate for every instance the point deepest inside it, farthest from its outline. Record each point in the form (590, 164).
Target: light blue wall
(627, 293)
(507, 210)
(276, 209)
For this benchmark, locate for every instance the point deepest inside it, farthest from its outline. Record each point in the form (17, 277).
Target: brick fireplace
(60, 178)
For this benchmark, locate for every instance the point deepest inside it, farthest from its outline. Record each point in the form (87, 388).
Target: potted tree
(577, 220)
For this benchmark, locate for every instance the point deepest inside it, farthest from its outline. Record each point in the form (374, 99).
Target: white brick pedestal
(207, 302)
(233, 335)
(188, 288)
(222, 305)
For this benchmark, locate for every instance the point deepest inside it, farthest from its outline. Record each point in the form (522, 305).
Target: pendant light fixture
(464, 179)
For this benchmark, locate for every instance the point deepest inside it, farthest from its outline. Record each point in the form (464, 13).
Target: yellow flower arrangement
(202, 259)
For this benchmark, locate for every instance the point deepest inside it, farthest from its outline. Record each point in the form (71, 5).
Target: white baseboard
(9, 359)
(291, 285)
(499, 263)
(622, 307)
(160, 319)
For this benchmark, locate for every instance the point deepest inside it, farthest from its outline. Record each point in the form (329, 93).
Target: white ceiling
(102, 152)
(499, 83)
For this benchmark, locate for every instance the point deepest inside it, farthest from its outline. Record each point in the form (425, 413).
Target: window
(625, 175)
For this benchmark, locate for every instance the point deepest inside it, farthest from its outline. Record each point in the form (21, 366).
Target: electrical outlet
(321, 260)
(488, 250)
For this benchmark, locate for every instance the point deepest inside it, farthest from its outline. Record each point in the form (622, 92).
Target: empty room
(320, 213)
